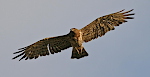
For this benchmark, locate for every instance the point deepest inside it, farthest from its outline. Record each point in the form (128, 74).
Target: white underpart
(81, 41)
(80, 38)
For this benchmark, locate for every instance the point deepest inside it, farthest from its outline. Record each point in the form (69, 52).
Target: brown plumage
(75, 37)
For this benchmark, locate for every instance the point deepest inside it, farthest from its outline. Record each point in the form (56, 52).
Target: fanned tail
(78, 52)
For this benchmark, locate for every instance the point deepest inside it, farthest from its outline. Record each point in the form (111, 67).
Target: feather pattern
(102, 25)
(75, 38)
(44, 47)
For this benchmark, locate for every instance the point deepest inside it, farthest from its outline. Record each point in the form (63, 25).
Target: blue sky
(124, 52)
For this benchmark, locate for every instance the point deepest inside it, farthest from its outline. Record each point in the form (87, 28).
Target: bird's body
(78, 50)
(75, 38)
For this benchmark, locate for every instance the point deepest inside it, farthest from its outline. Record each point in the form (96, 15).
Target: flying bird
(74, 38)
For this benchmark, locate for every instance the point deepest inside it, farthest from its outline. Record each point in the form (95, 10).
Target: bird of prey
(74, 38)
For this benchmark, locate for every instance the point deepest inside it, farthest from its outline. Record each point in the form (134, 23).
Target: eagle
(75, 38)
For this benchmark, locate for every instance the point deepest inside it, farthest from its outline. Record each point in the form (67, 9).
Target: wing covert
(44, 47)
(102, 25)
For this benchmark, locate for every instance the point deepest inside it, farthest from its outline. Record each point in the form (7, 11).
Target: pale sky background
(124, 52)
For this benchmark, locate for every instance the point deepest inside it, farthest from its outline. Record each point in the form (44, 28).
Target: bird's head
(73, 29)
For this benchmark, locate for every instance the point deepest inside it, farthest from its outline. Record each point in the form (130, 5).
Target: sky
(123, 52)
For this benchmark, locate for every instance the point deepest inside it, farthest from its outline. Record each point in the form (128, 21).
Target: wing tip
(19, 56)
(127, 11)
(121, 10)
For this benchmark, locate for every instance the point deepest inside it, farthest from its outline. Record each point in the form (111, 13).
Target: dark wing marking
(104, 24)
(44, 47)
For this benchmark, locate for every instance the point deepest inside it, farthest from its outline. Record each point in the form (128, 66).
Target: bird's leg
(81, 49)
(77, 50)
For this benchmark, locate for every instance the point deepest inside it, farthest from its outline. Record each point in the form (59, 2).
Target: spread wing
(44, 47)
(102, 25)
